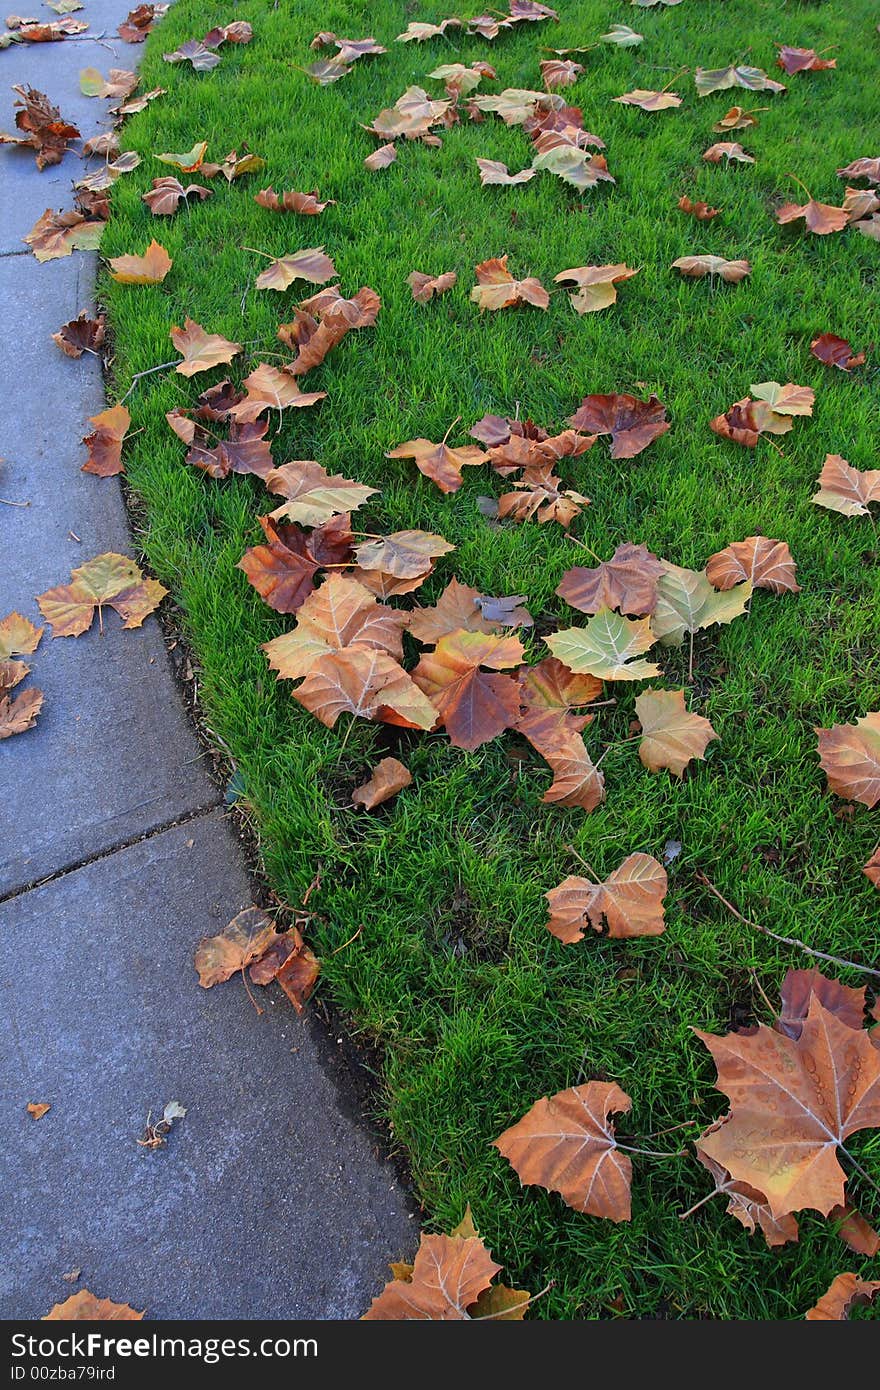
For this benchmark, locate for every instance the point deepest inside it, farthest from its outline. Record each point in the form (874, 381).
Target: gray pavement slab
(268, 1201)
(113, 754)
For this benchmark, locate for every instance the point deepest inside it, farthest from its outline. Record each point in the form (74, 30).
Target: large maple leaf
(338, 615)
(629, 901)
(671, 736)
(765, 563)
(446, 1279)
(473, 705)
(794, 1102)
(566, 1144)
(850, 758)
(439, 462)
(846, 1291)
(312, 495)
(496, 288)
(845, 489)
(283, 570)
(605, 647)
(632, 423)
(687, 602)
(627, 582)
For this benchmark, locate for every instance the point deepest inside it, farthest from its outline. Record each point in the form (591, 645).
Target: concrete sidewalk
(269, 1199)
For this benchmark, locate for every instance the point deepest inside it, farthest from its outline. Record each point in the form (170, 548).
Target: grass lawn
(476, 1009)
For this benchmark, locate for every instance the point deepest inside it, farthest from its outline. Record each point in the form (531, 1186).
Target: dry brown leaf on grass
(84, 1306)
(727, 150)
(188, 162)
(305, 204)
(850, 758)
(107, 579)
(671, 736)
(473, 705)
(43, 129)
(82, 334)
(632, 423)
(57, 234)
(576, 779)
(872, 868)
(701, 211)
(105, 442)
(819, 218)
(403, 554)
(845, 489)
(439, 462)
(165, 196)
(745, 1203)
(411, 117)
(310, 264)
(492, 171)
(559, 72)
(649, 101)
(234, 166)
(708, 80)
(793, 60)
(271, 388)
(766, 563)
(574, 166)
(595, 285)
(497, 289)
(315, 337)
(855, 1232)
(865, 168)
(444, 1283)
(799, 987)
(388, 777)
(629, 902)
(148, 269)
(738, 119)
(836, 352)
(566, 1144)
(312, 496)
(698, 266)
(283, 570)
(627, 582)
(381, 158)
(417, 31)
(425, 287)
(847, 1291)
(199, 349)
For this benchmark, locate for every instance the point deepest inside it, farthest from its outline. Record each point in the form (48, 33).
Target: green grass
(476, 1009)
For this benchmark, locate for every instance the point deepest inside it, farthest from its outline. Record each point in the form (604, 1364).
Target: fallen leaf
(576, 779)
(38, 1109)
(44, 130)
(697, 266)
(439, 462)
(18, 713)
(199, 349)
(298, 974)
(649, 101)
(84, 1306)
(341, 614)
(404, 554)
(193, 51)
(671, 736)
(310, 264)
(793, 60)
(148, 269)
(727, 150)
(305, 204)
(574, 166)
(448, 1276)
(747, 420)
(721, 79)
(701, 211)
(311, 495)
(82, 334)
(457, 607)
(629, 902)
(165, 196)
(338, 316)
(138, 22)
(105, 442)
(792, 1103)
(234, 166)
(737, 119)
(850, 757)
(107, 579)
(472, 705)
(862, 169)
(18, 636)
(799, 987)
(492, 171)
(283, 570)
(745, 1203)
(425, 287)
(559, 72)
(845, 489)
(622, 36)
(872, 868)
(846, 1292)
(627, 582)
(387, 779)
(542, 496)
(272, 388)
(606, 647)
(550, 693)
(595, 285)
(765, 563)
(566, 1144)
(836, 352)
(855, 1231)
(57, 234)
(189, 162)
(785, 400)
(120, 83)
(633, 424)
(381, 158)
(687, 602)
(241, 942)
(820, 218)
(497, 289)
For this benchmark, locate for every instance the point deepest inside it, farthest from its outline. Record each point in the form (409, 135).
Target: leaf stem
(162, 367)
(683, 1215)
(517, 1307)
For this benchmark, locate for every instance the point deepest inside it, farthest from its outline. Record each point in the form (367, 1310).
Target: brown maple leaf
(793, 60)
(448, 1276)
(107, 579)
(552, 692)
(649, 101)
(148, 269)
(165, 196)
(701, 211)
(629, 902)
(83, 1306)
(283, 570)
(845, 489)
(338, 316)
(439, 462)
(367, 683)
(242, 941)
(566, 1144)
(340, 614)
(497, 289)
(473, 705)
(872, 868)
(820, 218)
(388, 777)
(139, 21)
(381, 158)
(272, 388)
(798, 988)
(57, 234)
(671, 736)
(576, 779)
(309, 264)
(44, 130)
(403, 554)
(17, 713)
(425, 287)
(541, 496)
(865, 168)
(764, 562)
(793, 1103)
(745, 1203)
(727, 150)
(82, 334)
(836, 352)
(698, 266)
(846, 1292)
(559, 72)
(747, 420)
(201, 350)
(855, 1232)
(633, 424)
(494, 173)
(245, 450)
(18, 636)
(709, 80)
(627, 582)
(105, 442)
(738, 119)
(312, 495)
(850, 757)
(38, 1109)
(305, 204)
(595, 285)
(457, 607)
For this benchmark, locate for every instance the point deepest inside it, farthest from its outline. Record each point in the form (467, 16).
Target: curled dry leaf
(82, 334)
(845, 1292)
(471, 704)
(566, 1144)
(747, 420)
(671, 736)
(629, 902)
(425, 287)
(574, 166)
(310, 264)
(105, 442)
(42, 126)
(57, 234)
(850, 758)
(709, 80)
(701, 211)
(492, 171)
(272, 388)
(836, 352)
(497, 289)
(793, 1102)
(38, 1109)
(194, 52)
(107, 579)
(845, 489)
(595, 285)
(542, 497)
(738, 119)
(234, 166)
(627, 582)
(387, 779)
(418, 32)
(188, 162)
(411, 116)
(381, 158)
(306, 204)
(793, 60)
(606, 647)
(17, 713)
(338, 316)
(311, 495)
(766, 563)
(727, 150)
(283, 570)
(633, 424)
(698, 266)
(241, 942)
(819, 218)
(199, 349)
(165, 196)
(138, 22)
(84, 1306)
(559, 72)
(864, 168)
(439, 462)
(649, 101)
(460, 79)
(119, 83)
(148, 269)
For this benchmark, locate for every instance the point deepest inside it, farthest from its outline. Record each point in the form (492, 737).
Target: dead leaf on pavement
(105, 442)
(43, 129)
(57, 234)
(140, 21)
(82, 334)
(241, 942)
(85, 1307)
(18, 636)
(37, 1109)
(107, 579)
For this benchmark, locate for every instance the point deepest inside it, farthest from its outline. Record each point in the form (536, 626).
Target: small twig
(785, 940)
(651, 1153)
(790, 175)
(6, 502)
(449, 431)
(763, 993)
(658, 1133)
(681, 72)
(348, 942)
(162, 367)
